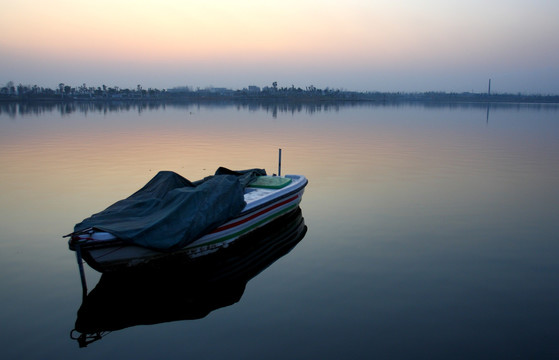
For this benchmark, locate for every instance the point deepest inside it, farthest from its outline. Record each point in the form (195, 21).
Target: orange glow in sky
(355, 44)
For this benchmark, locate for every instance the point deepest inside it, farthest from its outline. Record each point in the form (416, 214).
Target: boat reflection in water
(187, 289)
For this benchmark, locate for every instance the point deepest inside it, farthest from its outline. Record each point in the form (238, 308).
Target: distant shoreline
(378, 98)
(64, 93)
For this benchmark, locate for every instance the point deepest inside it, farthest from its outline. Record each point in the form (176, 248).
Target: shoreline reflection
(23, 109)
(187, 289)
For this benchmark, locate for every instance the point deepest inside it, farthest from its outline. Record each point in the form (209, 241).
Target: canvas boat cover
(170, 212)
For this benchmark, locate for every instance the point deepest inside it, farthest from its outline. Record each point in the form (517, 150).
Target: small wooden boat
(267, 198)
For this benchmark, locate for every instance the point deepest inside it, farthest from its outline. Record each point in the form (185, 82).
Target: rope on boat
(84, 231)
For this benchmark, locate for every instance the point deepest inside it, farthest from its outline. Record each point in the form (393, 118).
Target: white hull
(105, 253)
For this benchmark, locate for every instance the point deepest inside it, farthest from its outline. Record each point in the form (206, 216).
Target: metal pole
(279, 163)
(80, 266)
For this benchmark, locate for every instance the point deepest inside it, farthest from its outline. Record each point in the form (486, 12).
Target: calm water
(433, 232)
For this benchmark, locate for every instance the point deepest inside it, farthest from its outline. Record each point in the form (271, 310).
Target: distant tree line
(66, 93)
(70, 93)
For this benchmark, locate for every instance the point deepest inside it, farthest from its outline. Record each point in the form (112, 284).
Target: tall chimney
(489, 89)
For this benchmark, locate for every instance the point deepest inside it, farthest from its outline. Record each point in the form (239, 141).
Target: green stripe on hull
(248, 229)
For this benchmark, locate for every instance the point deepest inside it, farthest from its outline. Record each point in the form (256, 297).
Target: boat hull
(263, 206)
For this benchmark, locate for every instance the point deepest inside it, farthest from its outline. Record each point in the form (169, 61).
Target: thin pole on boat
(279, 163)
(80, 266)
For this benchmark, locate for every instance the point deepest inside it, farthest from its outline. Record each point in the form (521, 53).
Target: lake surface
(432, 231)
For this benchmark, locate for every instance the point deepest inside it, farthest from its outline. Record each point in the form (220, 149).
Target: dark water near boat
(432, 232)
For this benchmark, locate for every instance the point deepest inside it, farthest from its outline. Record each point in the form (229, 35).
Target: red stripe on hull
(240, 222)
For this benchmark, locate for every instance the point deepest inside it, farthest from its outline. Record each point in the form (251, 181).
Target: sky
(360, 45)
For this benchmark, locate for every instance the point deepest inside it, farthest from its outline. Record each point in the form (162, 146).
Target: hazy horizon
(357, 45)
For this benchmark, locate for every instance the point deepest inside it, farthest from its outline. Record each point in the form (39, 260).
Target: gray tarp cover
(170, 212)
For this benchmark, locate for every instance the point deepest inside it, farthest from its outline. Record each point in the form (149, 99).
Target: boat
(201, 231)
(186, 291)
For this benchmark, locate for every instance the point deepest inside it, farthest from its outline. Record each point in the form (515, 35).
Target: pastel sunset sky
(363, 45)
